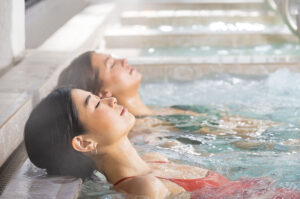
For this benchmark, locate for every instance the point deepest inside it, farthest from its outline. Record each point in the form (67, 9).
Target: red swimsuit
(215, 186)
(212, 180)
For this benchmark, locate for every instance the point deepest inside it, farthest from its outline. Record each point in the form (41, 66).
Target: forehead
(97, 58)
(79, 97)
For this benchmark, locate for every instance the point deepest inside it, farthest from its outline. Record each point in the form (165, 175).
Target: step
(183, 68)
(32, 182)
(193, 4)
(286, 50)
(217, 34)
(192, 17)
(187, 69)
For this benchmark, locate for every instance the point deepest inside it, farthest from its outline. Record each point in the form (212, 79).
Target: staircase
(184, 40)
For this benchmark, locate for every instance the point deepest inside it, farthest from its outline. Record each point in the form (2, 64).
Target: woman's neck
(121, 160)
(134, 104)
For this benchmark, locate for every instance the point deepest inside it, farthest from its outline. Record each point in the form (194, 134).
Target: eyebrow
(86, 101)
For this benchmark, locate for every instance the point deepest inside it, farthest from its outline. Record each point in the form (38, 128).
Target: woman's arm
(237, 125)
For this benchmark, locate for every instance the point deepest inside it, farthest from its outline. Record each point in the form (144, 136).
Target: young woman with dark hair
(48, 131)
(106, 76)
(72, 132)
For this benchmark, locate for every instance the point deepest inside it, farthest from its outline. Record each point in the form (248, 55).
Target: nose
(125, 62)
(111, 101)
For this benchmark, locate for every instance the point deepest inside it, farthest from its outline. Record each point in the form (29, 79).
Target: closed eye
(113, 64)
(97, 104)
(110, 62)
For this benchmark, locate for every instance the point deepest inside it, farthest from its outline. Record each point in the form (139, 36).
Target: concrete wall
(41, 23)
(12, 31)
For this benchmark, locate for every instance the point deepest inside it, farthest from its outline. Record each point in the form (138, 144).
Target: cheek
(125, 81)
(110, 122)
(120, 76)
(116, 79)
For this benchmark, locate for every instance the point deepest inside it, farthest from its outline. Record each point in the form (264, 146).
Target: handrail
(272, 4)
(285, 6)
(289, 10)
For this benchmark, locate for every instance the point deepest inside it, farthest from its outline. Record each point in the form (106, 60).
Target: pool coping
(32, 182)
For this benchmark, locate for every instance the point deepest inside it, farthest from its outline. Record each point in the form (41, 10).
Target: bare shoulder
(154, 156)
(148, 122)
(147, 185)
(172, 111)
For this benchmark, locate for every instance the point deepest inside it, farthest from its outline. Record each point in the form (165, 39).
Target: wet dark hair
(80, 74)
(48, 135)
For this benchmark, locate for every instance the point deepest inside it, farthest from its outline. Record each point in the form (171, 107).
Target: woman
(72, 132)
(106, 76)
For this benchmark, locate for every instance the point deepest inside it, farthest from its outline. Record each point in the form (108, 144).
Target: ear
(83, 144)
(104, 94)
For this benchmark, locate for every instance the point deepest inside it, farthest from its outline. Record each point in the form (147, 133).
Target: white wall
(41, 23)
(12, 30)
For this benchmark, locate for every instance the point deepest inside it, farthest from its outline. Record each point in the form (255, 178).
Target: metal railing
(290, 12)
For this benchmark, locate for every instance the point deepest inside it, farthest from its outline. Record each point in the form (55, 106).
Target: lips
(123, 111)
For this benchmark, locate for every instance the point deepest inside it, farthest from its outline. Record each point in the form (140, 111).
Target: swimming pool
(274, 153)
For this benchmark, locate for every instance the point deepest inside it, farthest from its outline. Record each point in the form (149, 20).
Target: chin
(137, 81)
(130, 122)
(140, 76)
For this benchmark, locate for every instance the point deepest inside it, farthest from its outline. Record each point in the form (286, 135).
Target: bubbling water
(256, 95)
(267, 155)
(273, 152)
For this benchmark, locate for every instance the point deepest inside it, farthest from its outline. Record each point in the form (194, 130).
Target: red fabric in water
(212, 180)
(246, 188)
(216, 186)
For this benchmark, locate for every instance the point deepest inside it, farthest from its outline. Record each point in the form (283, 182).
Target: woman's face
(115, 74)
(102, 117)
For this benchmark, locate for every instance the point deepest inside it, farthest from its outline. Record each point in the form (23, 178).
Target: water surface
(273, 154)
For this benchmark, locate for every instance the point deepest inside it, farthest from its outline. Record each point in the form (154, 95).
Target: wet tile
(31, 182)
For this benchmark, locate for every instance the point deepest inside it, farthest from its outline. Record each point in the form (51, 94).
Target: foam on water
(275, 153)
(257, 95)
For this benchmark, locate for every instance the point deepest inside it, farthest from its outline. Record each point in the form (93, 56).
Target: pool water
(289, 49)
(275, 98)
(274, 154)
